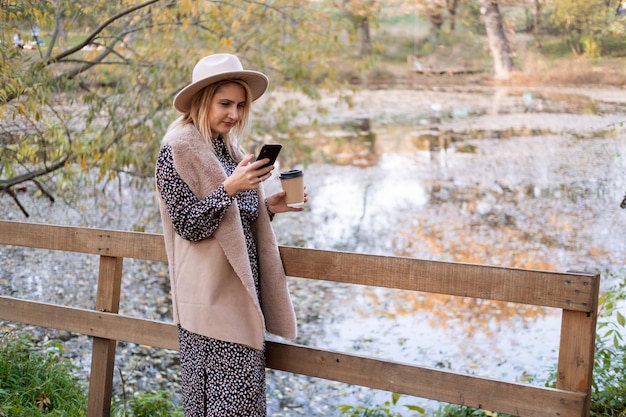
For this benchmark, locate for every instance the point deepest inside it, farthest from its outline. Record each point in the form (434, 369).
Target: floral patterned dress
(218, 378)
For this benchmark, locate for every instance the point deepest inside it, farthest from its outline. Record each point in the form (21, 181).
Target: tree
(452, 6)
(584, 23)
(435, 12)
(537, 22)
(361, 13)
(98, 106)
(498, 42)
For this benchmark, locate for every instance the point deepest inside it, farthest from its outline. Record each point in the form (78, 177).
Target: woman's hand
(247, 175)
(277, 203)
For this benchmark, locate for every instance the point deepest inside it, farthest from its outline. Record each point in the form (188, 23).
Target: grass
(35, 382)
(156, 404)
(615, 46)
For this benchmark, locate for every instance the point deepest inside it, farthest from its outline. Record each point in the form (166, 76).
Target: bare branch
(5, 185)
(99, 29)
(89, 39)
(17, 201)
(44, 191)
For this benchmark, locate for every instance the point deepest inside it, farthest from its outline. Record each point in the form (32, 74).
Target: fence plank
(511, 398)
(84, 240)
(571, 291)
(91, 323)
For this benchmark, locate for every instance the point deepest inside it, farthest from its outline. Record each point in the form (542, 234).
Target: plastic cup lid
(292, 173)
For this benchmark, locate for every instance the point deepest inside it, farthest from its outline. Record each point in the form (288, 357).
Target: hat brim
(257, 81)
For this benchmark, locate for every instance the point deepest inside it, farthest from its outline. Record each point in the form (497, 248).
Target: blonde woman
(228, 283)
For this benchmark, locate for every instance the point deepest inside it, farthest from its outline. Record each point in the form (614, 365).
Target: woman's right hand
(247, 175)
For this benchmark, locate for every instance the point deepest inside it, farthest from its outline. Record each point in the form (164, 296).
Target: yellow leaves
(292, 36)
(226, 41)
(8, 15)
(186, 22)
(187, 4)
(91, 54)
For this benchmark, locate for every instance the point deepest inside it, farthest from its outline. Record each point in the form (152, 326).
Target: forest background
(86, 100)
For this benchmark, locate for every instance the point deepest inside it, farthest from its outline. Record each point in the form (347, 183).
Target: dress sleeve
(192, 219)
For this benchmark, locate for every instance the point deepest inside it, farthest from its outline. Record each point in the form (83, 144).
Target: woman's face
(226, 109)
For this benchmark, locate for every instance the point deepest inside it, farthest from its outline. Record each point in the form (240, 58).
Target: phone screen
(270, 151)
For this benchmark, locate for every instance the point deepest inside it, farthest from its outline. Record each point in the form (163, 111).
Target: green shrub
(37, 382)
(452, 410)
(157, 404)
(385, 410)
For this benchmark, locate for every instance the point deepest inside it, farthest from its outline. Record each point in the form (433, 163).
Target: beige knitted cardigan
(213, 291)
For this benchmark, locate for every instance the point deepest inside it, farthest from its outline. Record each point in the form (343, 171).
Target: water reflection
(487, 189)
(352, 143)
(532, 201)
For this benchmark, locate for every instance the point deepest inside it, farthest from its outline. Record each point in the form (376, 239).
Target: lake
(449, 177)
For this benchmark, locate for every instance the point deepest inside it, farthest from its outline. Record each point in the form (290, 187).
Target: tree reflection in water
(525, 196)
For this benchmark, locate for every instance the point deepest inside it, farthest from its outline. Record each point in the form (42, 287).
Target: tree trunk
(498, 43)
(435, 11)
(436, 22)
(60, 30)
(537, 24)
(366, 39)
(452, 5)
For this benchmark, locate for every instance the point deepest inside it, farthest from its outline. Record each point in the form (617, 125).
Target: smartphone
(271, 151)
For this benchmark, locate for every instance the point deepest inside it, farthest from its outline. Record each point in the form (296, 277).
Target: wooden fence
(576, 294)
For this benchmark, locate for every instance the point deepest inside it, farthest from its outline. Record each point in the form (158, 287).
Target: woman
(227, 278)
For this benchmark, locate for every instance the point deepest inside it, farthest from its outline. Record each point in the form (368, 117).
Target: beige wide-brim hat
(218, 67)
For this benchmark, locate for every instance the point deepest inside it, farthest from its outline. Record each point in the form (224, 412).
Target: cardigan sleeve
(192, 219)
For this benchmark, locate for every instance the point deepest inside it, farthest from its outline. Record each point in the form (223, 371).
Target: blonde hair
(198, 115)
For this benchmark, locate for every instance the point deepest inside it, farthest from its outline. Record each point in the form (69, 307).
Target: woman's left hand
(277, 203)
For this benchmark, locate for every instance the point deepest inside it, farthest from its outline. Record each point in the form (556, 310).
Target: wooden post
(577, 350)
(103, 350)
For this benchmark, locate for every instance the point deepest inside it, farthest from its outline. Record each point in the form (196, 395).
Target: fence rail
(576, 294)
